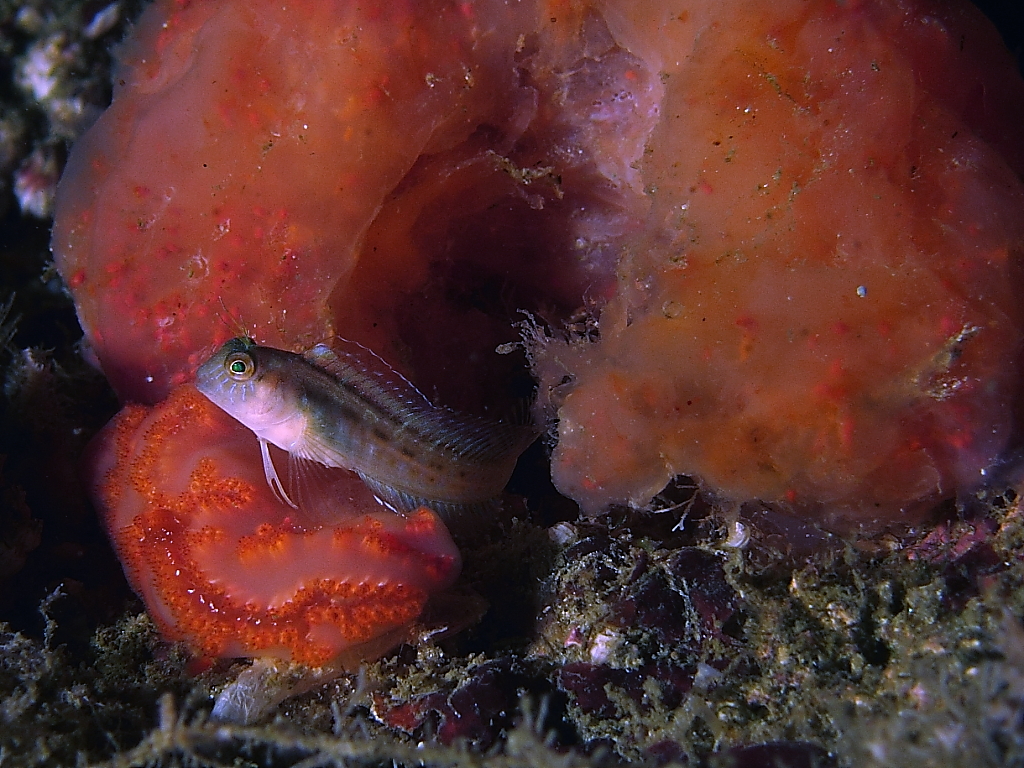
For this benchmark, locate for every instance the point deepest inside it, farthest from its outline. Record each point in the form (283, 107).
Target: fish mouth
(213, 381)
(211, 374)
(208, 372)
(218, 387)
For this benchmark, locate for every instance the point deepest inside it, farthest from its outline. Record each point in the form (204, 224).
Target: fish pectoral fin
(273, 480)
(319, 450)
(310, 483)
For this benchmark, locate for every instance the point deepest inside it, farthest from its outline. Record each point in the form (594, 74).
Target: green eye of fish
(240, 366)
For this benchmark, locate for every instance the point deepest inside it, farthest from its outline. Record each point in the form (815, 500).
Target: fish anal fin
(312, 484)
(403, 502)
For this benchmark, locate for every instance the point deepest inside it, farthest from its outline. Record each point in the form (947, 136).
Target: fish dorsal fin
(360, 366)
(474, 439)
(468, 437)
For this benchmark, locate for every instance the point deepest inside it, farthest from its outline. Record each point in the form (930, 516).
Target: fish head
(244, 380)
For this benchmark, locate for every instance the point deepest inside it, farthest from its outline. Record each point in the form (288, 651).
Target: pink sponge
(249, 148)
(823, 310)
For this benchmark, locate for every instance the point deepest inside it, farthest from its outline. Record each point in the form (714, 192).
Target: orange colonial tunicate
(225, 566)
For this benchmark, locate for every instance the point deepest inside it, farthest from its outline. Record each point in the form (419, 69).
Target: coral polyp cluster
(227, 567)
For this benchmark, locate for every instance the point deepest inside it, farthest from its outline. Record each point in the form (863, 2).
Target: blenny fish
(352, 410)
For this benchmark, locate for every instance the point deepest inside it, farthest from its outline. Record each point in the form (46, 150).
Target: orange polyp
(266, 544)
(201, 536)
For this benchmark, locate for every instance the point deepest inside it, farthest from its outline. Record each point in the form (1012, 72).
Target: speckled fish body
(328, 407)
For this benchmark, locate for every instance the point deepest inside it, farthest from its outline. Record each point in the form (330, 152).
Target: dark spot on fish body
(371, 403)
(348, 413)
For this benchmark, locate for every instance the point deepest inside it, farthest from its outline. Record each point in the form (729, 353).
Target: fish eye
(240, 366)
